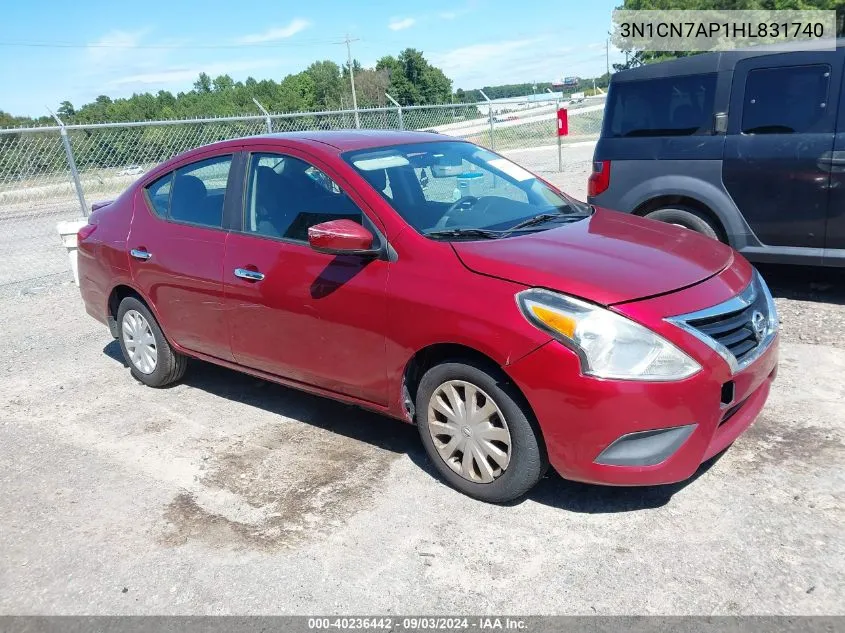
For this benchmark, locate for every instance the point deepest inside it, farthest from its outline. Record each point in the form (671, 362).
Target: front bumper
(583, 418)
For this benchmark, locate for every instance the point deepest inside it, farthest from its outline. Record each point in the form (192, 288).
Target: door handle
(140, 254)
(249, 275)
(835, 158)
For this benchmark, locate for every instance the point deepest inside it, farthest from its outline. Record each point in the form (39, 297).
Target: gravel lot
(229, 495)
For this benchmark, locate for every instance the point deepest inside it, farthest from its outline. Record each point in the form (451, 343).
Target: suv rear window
(671, 106)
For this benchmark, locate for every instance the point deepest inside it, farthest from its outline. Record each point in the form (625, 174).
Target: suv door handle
(249, 275)
(141, 254)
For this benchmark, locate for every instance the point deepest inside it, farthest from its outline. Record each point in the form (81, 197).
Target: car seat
(189, 202)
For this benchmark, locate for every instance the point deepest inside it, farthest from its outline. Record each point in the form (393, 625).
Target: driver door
(309, 317)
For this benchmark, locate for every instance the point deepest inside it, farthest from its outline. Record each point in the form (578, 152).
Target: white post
(352, 82)
(266, 115)
(398, 109)
(67, 230)
(490, 113)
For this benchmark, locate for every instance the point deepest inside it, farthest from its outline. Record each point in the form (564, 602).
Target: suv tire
(687, 218)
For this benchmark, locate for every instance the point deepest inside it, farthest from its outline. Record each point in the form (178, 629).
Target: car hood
(607, 258)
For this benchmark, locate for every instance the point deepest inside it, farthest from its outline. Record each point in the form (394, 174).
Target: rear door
(836, 165)
(782, 117)
(176, 245)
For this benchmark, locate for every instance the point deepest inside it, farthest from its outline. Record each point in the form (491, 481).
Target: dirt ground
(229, 495)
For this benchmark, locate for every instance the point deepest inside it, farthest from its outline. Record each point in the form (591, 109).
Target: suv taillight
(599, 180)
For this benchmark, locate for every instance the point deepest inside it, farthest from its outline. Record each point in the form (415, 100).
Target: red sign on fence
(562, 122)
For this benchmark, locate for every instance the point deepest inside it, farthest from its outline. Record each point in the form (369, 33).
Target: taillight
(85, 232)
(599, 180)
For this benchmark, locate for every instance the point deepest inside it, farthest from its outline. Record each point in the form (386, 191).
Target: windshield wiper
(542, 218)
(483, 233)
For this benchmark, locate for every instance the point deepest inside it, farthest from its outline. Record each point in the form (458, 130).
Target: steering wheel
(465, 202)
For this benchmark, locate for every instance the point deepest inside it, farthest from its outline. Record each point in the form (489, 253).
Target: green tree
(66, 110)
(326, 79)
(413, 80)
(203, 84)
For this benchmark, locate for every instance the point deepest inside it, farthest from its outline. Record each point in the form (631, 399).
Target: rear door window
(787, 100)
(670, 106)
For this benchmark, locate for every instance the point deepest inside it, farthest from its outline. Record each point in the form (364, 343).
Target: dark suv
(744, 146)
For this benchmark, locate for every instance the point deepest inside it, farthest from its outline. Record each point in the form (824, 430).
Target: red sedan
(439, 283)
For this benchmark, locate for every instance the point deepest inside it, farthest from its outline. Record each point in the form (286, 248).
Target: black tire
(170, 365)
(687, 218)
(528, 461)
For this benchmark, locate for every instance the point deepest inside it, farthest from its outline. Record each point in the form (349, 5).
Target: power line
(163, 46)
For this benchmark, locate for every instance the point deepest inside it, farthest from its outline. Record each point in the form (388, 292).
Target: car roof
(331, 141)
(713, 62)
(338, 140)
(345, 140)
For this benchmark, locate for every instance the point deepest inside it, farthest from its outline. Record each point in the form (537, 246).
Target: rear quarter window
(787, 100)
(668, 106)
(158, 193)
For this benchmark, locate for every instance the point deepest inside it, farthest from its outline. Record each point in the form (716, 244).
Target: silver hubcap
(139, 342)
(469, 431)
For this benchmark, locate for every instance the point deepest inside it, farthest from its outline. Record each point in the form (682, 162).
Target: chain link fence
(52, 174)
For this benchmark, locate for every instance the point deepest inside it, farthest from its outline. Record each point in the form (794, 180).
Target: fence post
(490, 112)
(398, 110)
(559, 140)
(74, 173)
(266, 114)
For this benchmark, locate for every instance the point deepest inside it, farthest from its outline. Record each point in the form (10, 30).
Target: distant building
(566, 82)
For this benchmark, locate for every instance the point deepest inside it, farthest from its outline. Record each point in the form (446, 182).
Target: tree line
(408, 77)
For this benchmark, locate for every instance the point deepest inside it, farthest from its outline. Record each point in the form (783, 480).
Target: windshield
(457, 190)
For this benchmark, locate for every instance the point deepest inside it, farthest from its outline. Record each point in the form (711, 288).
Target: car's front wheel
(478, 432)
(150, 357)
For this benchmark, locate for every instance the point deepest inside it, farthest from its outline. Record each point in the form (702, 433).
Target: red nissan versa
(439, 283)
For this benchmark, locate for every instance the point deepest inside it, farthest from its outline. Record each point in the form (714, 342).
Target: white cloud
(276, 33)
(113, 45)
(185, 74)
(470, 59)
(517, 61)
(397, 24)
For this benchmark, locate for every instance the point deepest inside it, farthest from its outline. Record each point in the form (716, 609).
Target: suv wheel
(686, 218)
(147, 352)
(477, 434)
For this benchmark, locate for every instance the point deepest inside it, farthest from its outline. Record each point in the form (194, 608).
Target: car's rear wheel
(150, 357)
(686, 218)
(478, 433)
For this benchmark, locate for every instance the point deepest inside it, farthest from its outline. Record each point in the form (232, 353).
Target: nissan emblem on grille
(739, 329)
(758, 323)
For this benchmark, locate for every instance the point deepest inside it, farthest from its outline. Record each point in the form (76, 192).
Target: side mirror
(341, 237)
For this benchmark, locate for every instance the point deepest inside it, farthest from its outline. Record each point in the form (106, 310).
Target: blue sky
(92, 47)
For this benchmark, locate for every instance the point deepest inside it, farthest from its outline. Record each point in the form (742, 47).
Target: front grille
(735, 330)
(729, 328)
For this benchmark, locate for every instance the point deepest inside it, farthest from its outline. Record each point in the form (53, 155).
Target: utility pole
(352, 80)
(607, 56)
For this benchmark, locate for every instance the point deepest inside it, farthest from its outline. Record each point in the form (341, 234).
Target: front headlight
(609, 345)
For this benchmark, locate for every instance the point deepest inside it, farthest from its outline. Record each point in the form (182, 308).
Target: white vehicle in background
(131, 170)
(577, 97)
